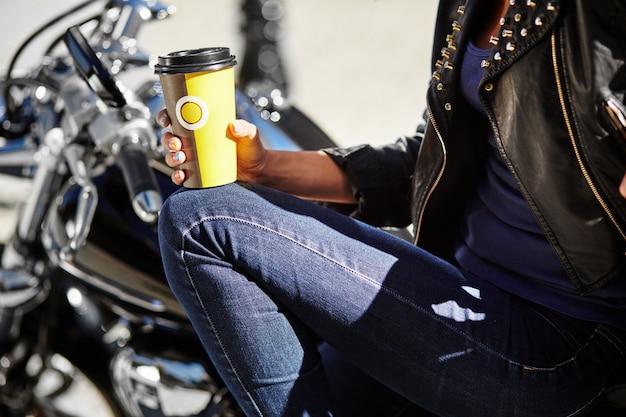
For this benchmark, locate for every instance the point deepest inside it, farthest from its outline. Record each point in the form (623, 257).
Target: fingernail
(178, 156)
(164, 121)
(237, 127)
(172, 144)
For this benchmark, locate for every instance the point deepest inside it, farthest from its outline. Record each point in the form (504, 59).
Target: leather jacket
(553, 90)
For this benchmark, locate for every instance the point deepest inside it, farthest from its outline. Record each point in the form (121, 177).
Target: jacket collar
(525, 23)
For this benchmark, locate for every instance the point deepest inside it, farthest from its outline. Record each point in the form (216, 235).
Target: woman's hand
(308, 174)
(251, 155)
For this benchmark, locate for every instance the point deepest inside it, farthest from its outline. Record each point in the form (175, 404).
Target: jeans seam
(586, 405)
(398, 296)
(574, 343)
(612, 338)
(567, 361)
(210, 320)
(388, 291)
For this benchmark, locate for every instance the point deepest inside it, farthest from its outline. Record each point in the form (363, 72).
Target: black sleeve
(381, 179)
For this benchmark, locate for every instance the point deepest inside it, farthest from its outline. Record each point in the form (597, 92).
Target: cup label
(192, 112)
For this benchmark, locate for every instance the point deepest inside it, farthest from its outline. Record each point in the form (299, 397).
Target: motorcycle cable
(95, 18)
(12, 127)
(42, 29)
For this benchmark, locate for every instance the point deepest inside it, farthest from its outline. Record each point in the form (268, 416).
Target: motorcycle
(88, 324)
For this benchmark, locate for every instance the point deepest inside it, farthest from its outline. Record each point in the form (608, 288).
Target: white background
(358, 68)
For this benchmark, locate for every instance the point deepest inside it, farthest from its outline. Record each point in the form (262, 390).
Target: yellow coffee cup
(199, 93)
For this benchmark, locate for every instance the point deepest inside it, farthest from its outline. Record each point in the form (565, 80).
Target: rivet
(539, 21)
(550, 6)
(445, 53)
(523, 32)
(456, 26)
(441, 87)
(439, 63)
(452, 45)
(497, 56)
(517, 17)
(513, 2)
(447, 106)
(488, 87)
(485, 63)
(436, 76)
(530, 3)
(507, 33)
(504, 20)
(448, 65)
(461, 9)
(493, 40)
(510, 46)
(450, 38)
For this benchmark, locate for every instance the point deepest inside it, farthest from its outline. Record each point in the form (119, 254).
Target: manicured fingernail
(164, 121)
(178, 156)
(237, 127)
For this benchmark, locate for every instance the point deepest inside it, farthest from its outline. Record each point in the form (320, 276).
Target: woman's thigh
(450, 342)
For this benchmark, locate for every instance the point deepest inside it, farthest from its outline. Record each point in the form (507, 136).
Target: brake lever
(87, 199)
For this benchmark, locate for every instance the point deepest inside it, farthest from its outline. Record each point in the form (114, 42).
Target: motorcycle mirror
(92, 68)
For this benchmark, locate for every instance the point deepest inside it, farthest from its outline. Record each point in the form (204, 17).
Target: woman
(511, 302)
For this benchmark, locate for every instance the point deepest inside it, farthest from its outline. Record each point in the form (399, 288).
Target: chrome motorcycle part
(118, 30)
(46, 175)
(21, 290)
(60, 383)
(147, 204)
(155, 385)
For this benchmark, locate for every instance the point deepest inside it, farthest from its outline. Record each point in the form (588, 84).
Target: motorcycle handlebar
(141, 182)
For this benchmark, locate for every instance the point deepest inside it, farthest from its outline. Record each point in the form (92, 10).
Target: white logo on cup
(195, 110)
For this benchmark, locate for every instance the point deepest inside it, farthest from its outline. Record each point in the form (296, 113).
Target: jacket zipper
(570, 132)
(437, 179)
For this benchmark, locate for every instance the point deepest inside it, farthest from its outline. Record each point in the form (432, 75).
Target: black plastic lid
(195, 60)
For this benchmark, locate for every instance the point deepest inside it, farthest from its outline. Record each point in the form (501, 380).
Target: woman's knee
(170, 214)
(186, 209)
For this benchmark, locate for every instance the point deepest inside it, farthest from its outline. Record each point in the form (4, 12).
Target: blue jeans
(264, 277)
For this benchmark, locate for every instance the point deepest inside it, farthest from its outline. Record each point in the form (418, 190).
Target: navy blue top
(502, 242)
